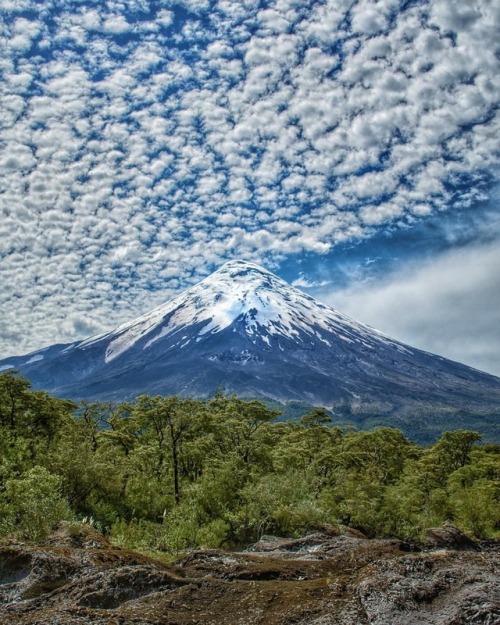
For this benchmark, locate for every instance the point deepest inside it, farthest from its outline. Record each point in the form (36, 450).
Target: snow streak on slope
(265, 304)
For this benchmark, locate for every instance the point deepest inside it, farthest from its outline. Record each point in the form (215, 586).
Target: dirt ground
(324, 578)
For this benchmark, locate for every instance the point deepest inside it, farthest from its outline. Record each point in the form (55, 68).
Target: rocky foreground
(325, 578)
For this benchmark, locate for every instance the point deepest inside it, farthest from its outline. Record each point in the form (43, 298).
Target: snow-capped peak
(247, 331)
(265, 304)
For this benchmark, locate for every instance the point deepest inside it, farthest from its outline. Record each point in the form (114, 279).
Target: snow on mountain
(247, 331)
(238, 290)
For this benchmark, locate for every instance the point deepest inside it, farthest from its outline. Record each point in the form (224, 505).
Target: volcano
(244, 330)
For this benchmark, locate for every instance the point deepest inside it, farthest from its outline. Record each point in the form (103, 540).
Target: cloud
(302, 282)
(116, 25)
(144, 143)
(447, 305)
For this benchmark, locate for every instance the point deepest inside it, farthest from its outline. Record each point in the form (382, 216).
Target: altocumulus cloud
(142, 143)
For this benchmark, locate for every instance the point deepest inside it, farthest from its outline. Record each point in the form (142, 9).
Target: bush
(32, 505)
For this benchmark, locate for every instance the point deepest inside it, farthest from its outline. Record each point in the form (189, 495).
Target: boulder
(449, 537)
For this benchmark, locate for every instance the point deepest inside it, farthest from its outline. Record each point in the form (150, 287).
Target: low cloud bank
(448, 305)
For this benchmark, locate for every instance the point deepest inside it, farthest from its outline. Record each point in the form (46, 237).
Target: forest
(169, 474)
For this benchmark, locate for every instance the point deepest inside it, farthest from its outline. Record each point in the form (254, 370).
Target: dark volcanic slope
(247, 331)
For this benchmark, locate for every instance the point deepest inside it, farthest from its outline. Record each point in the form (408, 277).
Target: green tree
(240, 425)
(32, 504)
(316, 418)
(170, 421)
(475, 494)
(14, 398)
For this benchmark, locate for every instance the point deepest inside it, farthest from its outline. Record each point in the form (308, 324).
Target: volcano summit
(246, 331)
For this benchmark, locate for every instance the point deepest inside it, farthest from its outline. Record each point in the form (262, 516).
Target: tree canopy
(172, 473)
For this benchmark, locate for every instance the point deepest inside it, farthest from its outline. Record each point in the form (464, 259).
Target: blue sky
(351, 147)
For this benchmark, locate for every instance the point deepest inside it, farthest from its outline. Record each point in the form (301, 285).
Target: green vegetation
(170, 474)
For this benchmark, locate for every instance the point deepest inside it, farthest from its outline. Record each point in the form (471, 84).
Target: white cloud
(302, 282)
(370, 17)
(116, 25)
(447, 305)
(135, 153)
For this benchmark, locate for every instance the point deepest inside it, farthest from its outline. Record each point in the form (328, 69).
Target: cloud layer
(142, 143)
(448, 305)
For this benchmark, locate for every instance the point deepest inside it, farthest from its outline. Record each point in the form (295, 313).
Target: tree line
(170, 474)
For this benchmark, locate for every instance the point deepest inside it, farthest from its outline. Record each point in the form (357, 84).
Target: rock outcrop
(324, 578)
(449, 537)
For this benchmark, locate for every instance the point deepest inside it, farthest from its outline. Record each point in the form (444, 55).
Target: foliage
(32, 505)
(171, 474)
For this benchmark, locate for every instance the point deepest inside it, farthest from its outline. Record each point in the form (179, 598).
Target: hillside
(246, 331)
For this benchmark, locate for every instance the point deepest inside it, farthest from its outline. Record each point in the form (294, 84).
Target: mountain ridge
(247, 331)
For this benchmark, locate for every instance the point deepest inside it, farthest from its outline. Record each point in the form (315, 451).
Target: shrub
(32, 505)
